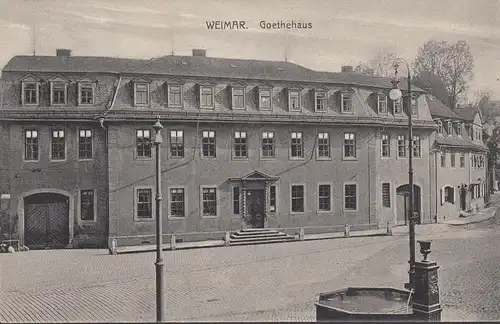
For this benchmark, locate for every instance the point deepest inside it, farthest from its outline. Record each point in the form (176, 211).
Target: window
(141, 94)
(459, 129)
(272, 199)
(143, 143)
(240, 145)
(144, 204)
(31, 145)
(30, 93)
(382, 104)
(401, 146)
(86, 93)
(208, 144)
(320, 101)
(58, 145)
(265, 99)
(268, 144)
(349, 145)
(238, 98)
(323, 145)
(87, 205)
(297, 145)
(396, 107)
(462, 160)
(414, 107)
(174, 95)
(386, 145)
(297, 199)
(440, 127)
(294, 100)
(85, 144)
(386, 194)
(324, 197)
(236, 200)
(177, 143)
(449, 195)
(452, 159)
(443, 159)
(207, 97)
(450, 128)
(346, 100)
(58, 93)
(209, 199)
(177, 202)
(417, 146)
(350, 198)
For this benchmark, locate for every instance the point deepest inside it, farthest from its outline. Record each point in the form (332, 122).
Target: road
(276, 282)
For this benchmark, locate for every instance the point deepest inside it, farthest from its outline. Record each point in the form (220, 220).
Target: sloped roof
(439, 109)
(467, 113)
(195, 66)
(459, 142)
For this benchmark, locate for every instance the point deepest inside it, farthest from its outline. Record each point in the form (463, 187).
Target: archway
(46, 218)
(402, 203)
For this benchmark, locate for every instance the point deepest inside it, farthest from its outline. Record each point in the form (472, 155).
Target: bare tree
(380, 65)
(429, 81)
(453, 63)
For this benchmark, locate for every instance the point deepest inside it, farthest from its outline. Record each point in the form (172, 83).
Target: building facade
(459, 160)
(245, 144)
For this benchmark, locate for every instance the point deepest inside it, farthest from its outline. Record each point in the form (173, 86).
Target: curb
(497, 208)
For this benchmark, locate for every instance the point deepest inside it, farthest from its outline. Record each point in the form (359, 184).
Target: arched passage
(402, 203)
(46, 218)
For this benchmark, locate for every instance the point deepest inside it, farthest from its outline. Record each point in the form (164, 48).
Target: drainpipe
(436, 184)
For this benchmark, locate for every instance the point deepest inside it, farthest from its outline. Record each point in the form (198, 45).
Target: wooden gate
(46, 220)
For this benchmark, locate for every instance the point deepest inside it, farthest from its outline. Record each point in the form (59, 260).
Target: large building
(459, 158)
(245, 144)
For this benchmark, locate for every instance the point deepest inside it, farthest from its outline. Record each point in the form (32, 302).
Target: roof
(439, 109)
(459, 142)
(467, 113)
(195, 66)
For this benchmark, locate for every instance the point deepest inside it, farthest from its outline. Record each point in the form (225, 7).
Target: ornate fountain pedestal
(426, 306)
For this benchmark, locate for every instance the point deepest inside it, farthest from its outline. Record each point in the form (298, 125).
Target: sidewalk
(479, 216)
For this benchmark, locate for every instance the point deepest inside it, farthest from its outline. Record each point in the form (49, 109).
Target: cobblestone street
(259, 283)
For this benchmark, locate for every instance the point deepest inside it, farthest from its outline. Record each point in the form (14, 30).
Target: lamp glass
(395, 94)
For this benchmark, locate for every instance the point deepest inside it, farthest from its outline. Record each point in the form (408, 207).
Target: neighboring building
(245, 144)
(459, 160)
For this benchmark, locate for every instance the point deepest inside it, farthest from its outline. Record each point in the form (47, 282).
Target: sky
(344, 32)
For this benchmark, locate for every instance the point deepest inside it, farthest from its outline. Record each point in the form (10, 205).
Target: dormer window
(320, 101)
(86, 91)
(397, 107)
(206, 97)
(238, 96)
(58, 91)
(294, 100)
(346, 101)
(450, 128)
(174, 95)
(141, 94)
(414, 107)
(440, 127)
(265, 98)
(30, 93)
(459, 129)
(382, 103)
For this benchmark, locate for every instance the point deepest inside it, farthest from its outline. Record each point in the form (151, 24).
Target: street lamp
(396, 94)
(159, 242)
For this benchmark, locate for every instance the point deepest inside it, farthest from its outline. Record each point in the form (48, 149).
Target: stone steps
(258, 236)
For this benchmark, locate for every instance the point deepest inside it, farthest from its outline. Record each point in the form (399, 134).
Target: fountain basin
(364, 304)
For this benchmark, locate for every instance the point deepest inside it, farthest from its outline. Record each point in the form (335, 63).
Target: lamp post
(159, 239)
(396, 94)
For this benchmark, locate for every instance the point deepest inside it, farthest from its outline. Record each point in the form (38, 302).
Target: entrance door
(46, 220)
(403, 203)
(255, 208)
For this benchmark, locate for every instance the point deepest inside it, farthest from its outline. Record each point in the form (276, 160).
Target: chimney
(347, 68)
(63, 52)
(199, 52)
(451, 102)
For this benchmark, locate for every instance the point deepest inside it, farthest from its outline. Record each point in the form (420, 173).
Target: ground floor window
(144, 204)
(209, 197)
(350, 197)
(87, 205)
(297, 199)
(386, 194)
(236, 200)
(177, 202)
(272, 199)
(449, 194)
(324, 197)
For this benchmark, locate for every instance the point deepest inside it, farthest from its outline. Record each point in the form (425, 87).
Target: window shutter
(442, 197)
